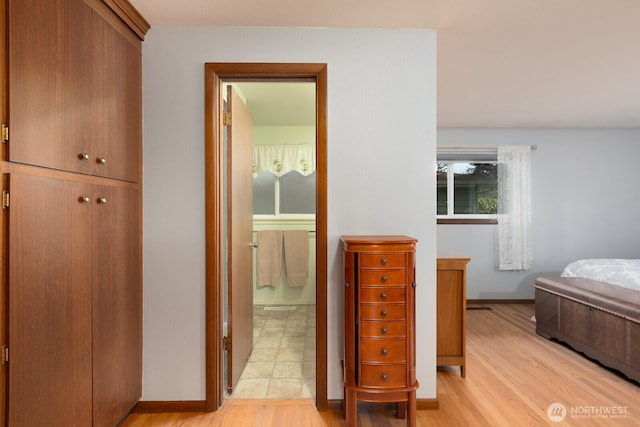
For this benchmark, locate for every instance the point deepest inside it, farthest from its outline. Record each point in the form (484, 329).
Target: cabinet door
(117, 310)
(117, 102)
(49, 324)
(49, 83)
(75, 100)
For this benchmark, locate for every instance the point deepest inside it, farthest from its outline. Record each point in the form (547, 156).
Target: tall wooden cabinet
(71, 220)
(451, 311)
(379, 323)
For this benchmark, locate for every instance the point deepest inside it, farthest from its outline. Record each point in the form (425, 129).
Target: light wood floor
(513, 376)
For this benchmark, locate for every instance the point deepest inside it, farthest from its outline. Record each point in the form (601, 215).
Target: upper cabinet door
(49, 84)
(75, 99)
(116, 128)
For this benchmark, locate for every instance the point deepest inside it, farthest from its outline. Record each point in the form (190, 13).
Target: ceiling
(501, 63)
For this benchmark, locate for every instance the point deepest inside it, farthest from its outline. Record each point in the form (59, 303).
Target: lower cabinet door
(49, 310)
(117, 299)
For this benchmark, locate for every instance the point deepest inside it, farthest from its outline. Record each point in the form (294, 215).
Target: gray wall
(381, 134)
(586, 204)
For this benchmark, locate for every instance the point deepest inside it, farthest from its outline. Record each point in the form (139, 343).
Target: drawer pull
(384, 377)
(383, 279)
(384, 351)
(83, 156)
(101, 161)
(383, 313)
(384, 330)
(83, 199)
(346, 285)
(383, 296)
(383, 261)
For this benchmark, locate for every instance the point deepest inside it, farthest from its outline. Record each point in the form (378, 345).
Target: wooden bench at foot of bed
(600, 320)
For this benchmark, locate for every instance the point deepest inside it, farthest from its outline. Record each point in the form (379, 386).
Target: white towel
(296, 256)
(269, 257)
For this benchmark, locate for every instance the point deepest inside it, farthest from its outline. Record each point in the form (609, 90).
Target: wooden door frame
(4, 116)
(215, 75)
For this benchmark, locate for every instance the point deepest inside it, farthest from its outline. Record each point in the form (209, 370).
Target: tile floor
(282, 364)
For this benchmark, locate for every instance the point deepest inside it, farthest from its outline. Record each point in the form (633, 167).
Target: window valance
(280, 159)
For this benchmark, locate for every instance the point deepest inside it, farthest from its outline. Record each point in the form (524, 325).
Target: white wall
(585, 204)
(277, 135)
(381, 118)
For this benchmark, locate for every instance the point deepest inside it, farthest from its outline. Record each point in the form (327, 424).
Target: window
(467, 187)
(264, 194)
(472, 189)
(292, 194)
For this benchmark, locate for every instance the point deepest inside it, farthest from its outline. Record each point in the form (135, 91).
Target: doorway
(215, 76)
(272, 284)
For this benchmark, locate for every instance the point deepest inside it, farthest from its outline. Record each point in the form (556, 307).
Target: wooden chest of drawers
(379, 305)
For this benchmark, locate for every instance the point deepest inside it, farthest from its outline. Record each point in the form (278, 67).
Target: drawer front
(383, 312)
(382, 277)
(384, 329)
(383, 375)
(382, 260)
(382, 294)
(384, 351)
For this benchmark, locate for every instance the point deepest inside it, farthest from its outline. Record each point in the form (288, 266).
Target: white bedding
(619, 272)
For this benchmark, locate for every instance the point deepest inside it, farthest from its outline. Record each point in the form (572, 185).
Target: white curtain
(280, 159)
(514, 207)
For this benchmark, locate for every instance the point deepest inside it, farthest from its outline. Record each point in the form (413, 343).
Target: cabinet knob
(383, 279)
(346, 285)
(384, 352)
(383, 261)
(83, 199)
(383, 313)
(83, 156)
(101, 160)
(384, 330)
(102, 201)
(383, 296)
(413, 285)
(383, 377)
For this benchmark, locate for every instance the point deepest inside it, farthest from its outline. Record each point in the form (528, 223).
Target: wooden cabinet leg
(462, 371)
(411, 409)
(351, 408)
(401, 408)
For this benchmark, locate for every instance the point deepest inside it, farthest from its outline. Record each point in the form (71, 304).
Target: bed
(594, 307)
